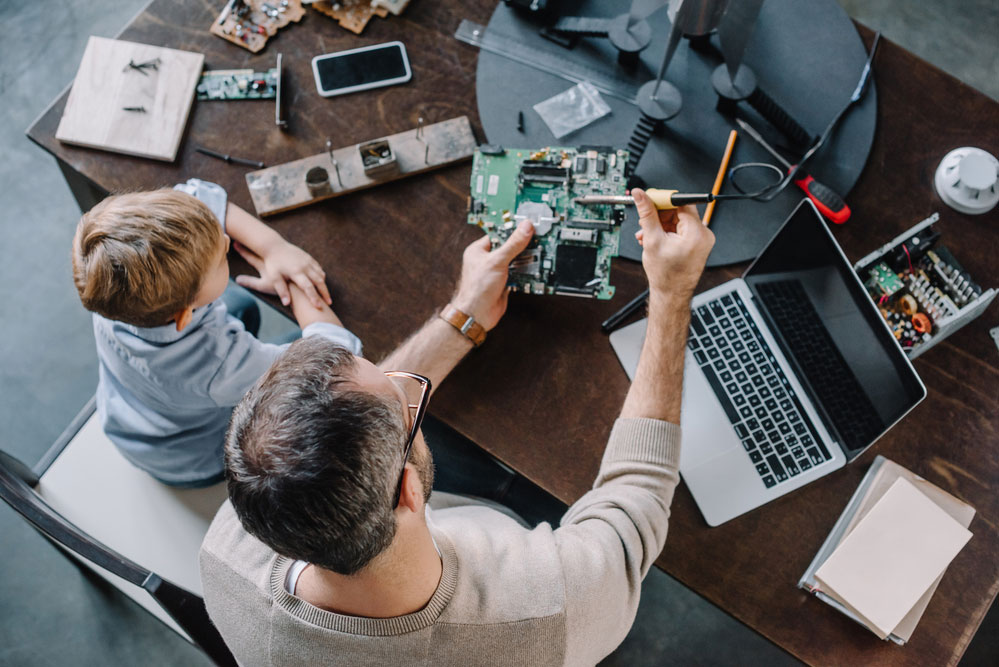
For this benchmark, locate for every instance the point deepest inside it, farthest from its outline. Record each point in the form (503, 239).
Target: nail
(525, 226)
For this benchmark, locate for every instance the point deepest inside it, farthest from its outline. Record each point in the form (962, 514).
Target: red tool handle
(830, 204)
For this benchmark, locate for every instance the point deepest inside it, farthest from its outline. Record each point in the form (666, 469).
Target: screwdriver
(229, 158)
(830, 204)
(663, 200)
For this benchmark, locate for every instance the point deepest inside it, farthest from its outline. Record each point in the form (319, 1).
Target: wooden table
(542, 395)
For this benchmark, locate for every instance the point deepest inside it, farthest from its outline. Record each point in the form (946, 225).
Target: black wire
(769, 192)
(734, 172)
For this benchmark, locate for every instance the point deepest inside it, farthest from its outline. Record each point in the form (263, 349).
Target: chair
(137, 533)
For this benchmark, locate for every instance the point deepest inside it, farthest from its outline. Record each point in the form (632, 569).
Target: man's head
(314, 453)
(149, 258)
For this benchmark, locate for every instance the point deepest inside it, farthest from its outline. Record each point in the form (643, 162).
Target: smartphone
(360, 69)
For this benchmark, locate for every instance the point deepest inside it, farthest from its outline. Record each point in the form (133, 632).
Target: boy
(152, 267)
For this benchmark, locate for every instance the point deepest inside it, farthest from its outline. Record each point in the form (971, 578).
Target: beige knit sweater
(507, 595)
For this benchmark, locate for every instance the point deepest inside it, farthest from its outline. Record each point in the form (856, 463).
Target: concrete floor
(53, 614)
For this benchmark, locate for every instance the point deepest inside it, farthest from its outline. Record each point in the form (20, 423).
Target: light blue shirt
(164, 397)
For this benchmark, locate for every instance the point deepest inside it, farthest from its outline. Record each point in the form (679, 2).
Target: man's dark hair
(312, 461)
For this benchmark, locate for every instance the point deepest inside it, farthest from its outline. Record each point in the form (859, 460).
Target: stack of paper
(889, 550)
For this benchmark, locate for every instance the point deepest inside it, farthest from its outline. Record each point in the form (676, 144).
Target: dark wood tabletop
(543, 393)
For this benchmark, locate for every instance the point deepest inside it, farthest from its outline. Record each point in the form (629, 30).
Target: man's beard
(424, 462)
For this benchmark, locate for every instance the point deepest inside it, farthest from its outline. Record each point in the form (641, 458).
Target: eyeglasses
(416, 412)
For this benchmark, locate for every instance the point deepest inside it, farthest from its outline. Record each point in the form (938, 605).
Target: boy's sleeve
(611, 536)
(244, 358)
(210, 194)
(337, 334)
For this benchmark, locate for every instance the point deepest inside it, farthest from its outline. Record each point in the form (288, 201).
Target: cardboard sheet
(893, 556)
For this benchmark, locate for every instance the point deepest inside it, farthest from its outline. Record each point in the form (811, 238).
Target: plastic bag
(572, 109)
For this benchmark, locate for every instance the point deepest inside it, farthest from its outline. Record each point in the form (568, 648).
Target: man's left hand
(482, 290)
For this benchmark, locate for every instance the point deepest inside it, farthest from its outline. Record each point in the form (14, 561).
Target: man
(326, 552)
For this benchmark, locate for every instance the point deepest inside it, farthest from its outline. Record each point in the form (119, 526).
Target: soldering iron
(663, 200)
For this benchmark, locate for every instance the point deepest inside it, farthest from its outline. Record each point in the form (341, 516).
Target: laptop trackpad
(707, 432)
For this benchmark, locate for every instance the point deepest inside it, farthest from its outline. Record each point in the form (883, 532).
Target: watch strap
(464, 323)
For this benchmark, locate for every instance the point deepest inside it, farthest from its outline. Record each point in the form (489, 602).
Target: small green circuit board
(883, 281)
(573, 244)
(238, 84)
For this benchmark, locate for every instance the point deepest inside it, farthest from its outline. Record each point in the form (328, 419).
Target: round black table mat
(806, 55)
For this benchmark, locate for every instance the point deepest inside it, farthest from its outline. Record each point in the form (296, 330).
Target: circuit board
(920, 288)
(573, 245)
(250, 23)
(353, 15)
(238, 84)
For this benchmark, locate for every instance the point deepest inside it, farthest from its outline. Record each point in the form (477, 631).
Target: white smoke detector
(968, 180)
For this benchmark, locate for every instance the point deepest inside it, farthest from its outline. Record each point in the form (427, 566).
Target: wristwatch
(464, 323)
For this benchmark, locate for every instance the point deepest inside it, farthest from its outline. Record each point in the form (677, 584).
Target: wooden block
(282, 188)
(105, 83)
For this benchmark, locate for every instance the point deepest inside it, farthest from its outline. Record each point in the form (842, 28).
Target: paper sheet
(893, 556)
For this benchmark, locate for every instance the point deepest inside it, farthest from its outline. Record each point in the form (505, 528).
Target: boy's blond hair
(141, 258)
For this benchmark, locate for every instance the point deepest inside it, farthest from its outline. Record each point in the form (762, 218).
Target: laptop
(790, 373)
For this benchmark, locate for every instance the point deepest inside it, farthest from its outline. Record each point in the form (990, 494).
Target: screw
(142, 67)
(420, 138)
(336, 165)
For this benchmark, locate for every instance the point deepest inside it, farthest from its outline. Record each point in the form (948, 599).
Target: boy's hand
(285, 263)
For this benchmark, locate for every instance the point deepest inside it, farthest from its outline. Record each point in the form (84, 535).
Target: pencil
(716, 188)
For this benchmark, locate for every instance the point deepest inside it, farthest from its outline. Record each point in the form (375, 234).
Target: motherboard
(573, 244)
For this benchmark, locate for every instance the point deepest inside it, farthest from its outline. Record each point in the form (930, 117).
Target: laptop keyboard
(764, 410)
(835, 385)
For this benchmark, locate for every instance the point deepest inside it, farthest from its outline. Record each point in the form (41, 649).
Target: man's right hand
(482, 291)
(673, 260)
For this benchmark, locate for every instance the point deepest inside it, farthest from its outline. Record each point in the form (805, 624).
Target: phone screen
(357, 69)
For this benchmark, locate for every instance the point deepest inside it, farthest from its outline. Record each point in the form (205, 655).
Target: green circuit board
(573, 244)
(238, 84)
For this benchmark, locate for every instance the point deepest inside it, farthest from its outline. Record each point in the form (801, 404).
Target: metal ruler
(606, 81)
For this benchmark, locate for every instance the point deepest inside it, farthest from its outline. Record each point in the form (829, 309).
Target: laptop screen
(831, 331)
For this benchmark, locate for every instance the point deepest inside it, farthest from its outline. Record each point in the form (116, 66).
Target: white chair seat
(157, 526)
